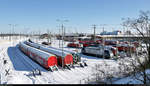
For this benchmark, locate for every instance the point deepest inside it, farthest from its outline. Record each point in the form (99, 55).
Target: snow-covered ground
(20, 66)
(130, 79)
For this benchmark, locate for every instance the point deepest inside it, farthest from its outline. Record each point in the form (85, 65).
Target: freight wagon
(64, 59)
(46, 60)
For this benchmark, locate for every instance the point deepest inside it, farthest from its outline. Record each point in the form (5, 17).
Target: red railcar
(110, 42)
(74, 44)
(43, 58)
(125, 47)
(67, 60)
(67, 57)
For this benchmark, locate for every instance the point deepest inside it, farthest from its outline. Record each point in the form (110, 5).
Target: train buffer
(52, 68)
(56, 68)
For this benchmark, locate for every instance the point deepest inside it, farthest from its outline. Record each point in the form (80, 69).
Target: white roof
(83, 37)
(50, 50)
(37, 51)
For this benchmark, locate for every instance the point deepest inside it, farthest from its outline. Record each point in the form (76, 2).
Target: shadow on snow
(18, 62)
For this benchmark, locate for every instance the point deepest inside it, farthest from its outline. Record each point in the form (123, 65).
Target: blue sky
(40, 15)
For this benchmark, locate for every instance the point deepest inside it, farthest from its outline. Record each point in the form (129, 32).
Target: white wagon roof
(40, 53)
(50, 50)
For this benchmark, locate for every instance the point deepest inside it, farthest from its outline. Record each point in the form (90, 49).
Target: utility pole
(94, 27)
(59, 38)
(64, 31)
(62, 26)
(48, 35)
(64, 34)
(39, 34)
(62, 43)
(35, 36)
(103, 43)
(10, 32)
(13, 31)
(124, 37)
(20, 36)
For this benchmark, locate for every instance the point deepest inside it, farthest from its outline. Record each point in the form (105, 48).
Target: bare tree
(137, 65)
(142, 27)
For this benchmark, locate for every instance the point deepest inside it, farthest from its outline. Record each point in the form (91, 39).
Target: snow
(18, 78)
(21, 69)
(130, 80)
(21, 66)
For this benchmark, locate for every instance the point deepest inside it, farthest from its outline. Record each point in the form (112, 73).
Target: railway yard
(25, 61)
(74, 42)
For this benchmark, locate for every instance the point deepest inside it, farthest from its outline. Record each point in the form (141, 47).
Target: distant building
(71, 35)
(46, 35)
(128, 32)
(117, 32)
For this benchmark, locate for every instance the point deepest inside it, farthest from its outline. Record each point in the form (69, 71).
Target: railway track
(29, 64)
